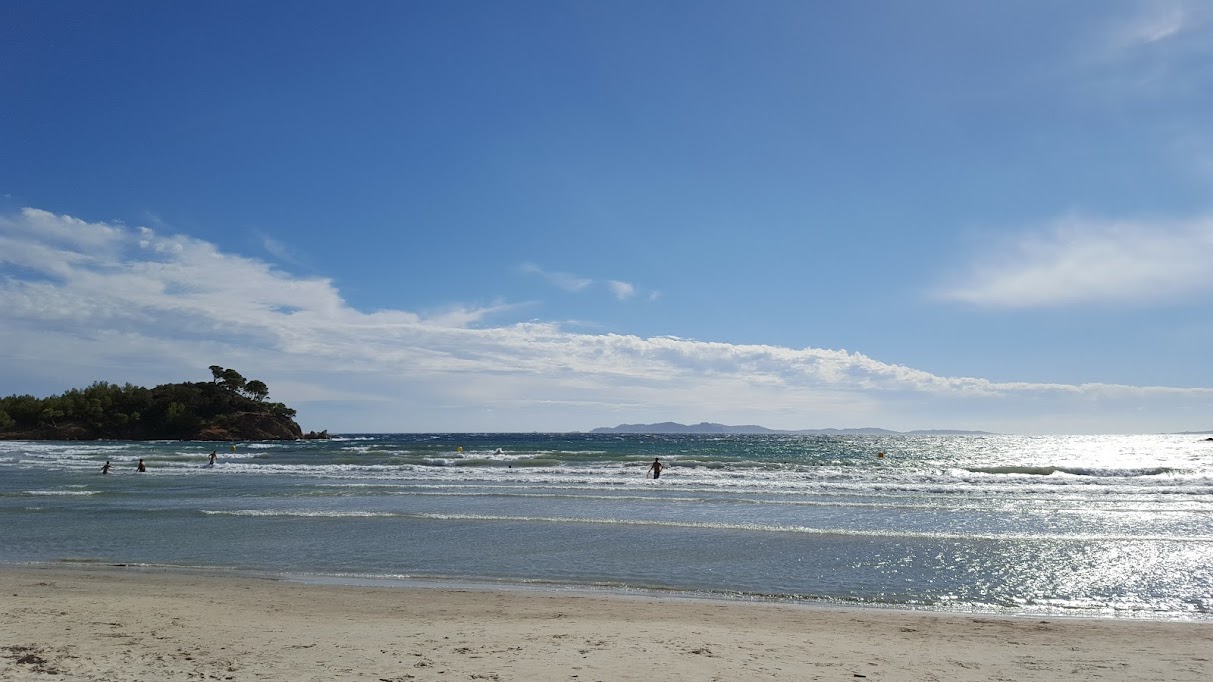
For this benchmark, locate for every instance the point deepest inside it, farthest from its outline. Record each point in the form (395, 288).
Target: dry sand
(125, 624)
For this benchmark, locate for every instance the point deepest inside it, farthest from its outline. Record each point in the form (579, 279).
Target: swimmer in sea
(656, 468)
(141, 467)
(105, 469)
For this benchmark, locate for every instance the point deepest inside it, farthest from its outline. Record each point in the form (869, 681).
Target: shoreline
(89, 621)
(603, 590)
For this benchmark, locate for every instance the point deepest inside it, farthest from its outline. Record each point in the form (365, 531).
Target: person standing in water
(141, 466)
(212, 462)
(655, 468)
(106, 468)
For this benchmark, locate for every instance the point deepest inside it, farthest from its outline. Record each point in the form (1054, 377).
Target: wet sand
(106, 623)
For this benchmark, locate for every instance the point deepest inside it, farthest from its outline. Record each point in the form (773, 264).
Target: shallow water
(1082, 525)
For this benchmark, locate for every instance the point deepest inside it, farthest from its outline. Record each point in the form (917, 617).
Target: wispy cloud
(279, 249)
(1158, 52)
(466, 316)
(1160, 21)
(561, 280)
(126, 303)
(1078, 262)
(622, 290)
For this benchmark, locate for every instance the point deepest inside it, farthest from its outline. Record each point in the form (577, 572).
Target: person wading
(655, 468)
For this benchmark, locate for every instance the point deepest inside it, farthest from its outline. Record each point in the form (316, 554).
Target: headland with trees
(229, 407)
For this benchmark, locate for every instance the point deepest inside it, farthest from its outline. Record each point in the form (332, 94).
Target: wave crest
(1073, 471)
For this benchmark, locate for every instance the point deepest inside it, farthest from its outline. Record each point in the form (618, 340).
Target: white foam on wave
(1097, 472)
(62, 492)
(54, 457)
(238, 455)
(296, 512)
(34, 447)
(810, 530)
(369, 449)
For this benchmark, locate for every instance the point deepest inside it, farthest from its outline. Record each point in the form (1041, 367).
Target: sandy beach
(91, 623)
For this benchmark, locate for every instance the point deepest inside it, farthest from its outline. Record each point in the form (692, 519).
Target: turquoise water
(1081, 525)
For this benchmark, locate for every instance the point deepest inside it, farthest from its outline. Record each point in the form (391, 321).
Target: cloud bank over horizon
(146, 305)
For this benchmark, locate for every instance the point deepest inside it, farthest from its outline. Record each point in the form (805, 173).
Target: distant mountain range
(706, 427)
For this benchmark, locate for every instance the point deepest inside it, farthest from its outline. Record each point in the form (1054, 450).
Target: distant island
(707, 427)
(228, 407)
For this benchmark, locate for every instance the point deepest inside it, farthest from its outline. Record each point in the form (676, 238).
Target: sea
(1089, 526)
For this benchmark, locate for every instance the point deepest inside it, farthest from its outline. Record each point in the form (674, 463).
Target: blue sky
(408, 216)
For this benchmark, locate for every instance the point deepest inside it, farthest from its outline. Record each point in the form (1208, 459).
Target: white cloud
(1084, 262)
(1159, 52)
(574, 283)
(1161, 21)
(83, 301)
(561, 280)
(622, 290)
(464, 316)
(279, 249)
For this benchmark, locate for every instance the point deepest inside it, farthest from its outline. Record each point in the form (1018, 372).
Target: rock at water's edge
(251, 426)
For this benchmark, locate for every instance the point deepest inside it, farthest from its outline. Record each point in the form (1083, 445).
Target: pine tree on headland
(232, 380)
(257, 390)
